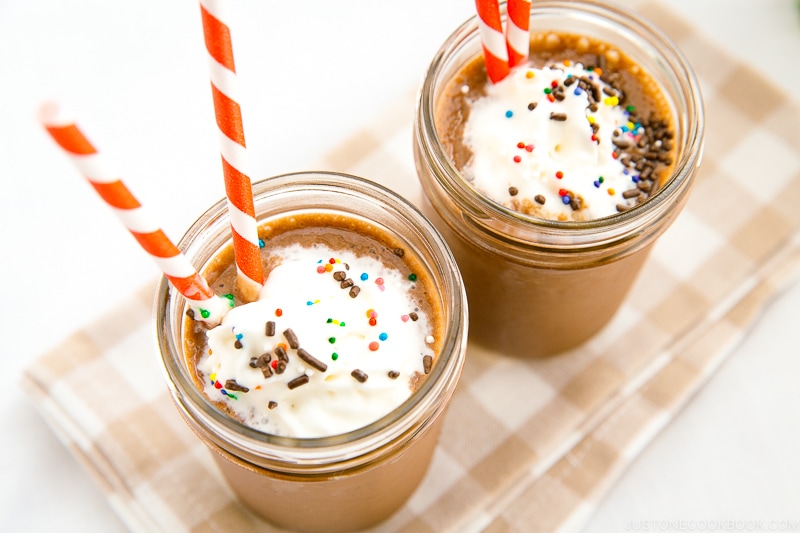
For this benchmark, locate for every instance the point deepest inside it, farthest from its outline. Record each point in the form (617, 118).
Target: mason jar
(342, 482)
(539, 287)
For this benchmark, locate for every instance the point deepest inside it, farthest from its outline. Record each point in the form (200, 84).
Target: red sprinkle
(529, 148)
(562, 192)
(554, 84)
(559, 174)
(378, 281)
(374, 346)
(279, 312)
(217, 385)
(520, 145)
(517, 159)
(274, 364)
(332, 261)
(551, 97)
(373, 321)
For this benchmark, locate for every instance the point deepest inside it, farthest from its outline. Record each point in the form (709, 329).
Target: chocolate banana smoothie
(552, 184)
(322, 399)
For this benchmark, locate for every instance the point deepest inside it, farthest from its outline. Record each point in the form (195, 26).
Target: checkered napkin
(528, 445)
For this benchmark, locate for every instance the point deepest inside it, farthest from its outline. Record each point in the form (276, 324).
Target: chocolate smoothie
(322, 401)
(552, 184)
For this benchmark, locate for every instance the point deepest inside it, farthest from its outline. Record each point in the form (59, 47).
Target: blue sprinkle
(597, 184)
(239, 336)
(261, 243)
(635, 179)
(509, 114)
(577, 91)
(625, 171)
(224, 392)
(566, 199)
(364, 276)
(309, 302)
(383, 336)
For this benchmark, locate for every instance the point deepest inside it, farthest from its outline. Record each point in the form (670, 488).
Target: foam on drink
(335, 341)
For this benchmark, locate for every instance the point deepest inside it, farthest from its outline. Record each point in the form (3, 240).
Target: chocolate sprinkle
(269, 329)
(311, 360)
(190, 313)
(360, 375)
(413, 316)
(339, 275)
(237, 344)
(539, 199)
(399, 252)
(354, 290)
(630, 193)
(296, 382)
(394, 374)
(280, 368)
(346, 283)
(272, 404)
(560, 117)
(291, 338)
(427, 363)
(231, 384)
(531, 106)
(281, 353)
(513, 191)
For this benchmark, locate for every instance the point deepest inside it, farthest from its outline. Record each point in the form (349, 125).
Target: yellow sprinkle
(529, 74)
(611, 191)
(631, 125)
(611, 100)
(590, 118)
(213, 376)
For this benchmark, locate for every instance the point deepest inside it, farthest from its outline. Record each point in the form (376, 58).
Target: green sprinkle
(630, 109)
(412, 277)
(548, 90)
(329, 321)
(205, 313)
(341, 324)
(334, 356)
(232, 396)
(331, 340)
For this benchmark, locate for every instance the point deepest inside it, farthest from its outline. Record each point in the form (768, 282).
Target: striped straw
(238, 188)
(495, 52)
(175, 266)
(518, 31)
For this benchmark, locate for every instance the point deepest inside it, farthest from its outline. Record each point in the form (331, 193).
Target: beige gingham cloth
(557, 433)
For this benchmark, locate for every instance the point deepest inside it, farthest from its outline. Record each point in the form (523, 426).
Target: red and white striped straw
(238, 187)
(518, 37)
(493, 41)
(176, 267)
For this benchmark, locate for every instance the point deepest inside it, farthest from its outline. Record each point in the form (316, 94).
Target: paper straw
(238, 188)
(518, 31)
(493, 41)
(176, 267)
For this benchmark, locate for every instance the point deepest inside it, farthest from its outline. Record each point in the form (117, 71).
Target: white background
(312, 72)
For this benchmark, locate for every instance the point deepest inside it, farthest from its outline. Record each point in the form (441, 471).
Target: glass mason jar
(343, 482)
(539, 287)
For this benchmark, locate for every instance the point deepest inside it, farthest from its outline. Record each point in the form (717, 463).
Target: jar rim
(690, 119)
(423, 403)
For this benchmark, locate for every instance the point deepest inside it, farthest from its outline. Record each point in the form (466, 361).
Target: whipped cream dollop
(334, 342)
(548, 142)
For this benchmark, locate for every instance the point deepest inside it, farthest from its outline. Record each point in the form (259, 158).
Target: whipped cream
(546, 142)
(362, 343)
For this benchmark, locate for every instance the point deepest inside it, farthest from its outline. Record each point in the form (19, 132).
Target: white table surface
(135, 75)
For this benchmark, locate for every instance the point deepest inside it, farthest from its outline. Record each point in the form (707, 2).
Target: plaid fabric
(558, 432)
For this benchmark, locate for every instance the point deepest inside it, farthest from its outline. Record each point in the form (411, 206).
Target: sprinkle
(310, 302)
(371, 313)
(539, 199)
(394, 374)
(346, 283)
(373, 321)
(237, 344)
(231, 384)
(531, 106)
(551, 98)
(328, 267)
(364, 276)
(378, 281)
(404, 318)
(269, 328)
(190, 313)
(611, 100)
(427, 363)
(517, 159)
(373, 346)
(279, 312)
(548, 90)
(280, 351)
(529, 74)
(429, 339)
(291, 338)
(630, 109)
(566, 199)
(204, 313)
(272, 404)
(354, 290)
(340, 275)
(577, 91)
(321, 269)
(611, 191)
(529, 147)
(412, 277)
(296, 382)
(334, 356)
(559, 174)
(383, 336)
(520, 145)
(509, 114)
(399, 252)
(562, 192)
(513, 191)
(560, 117)
(311, 360)
(217, 385)
(261, 243)
(359, 375)
(554, 84)
(413, 316)
(332, 340)
(332, 261)
(567, 63)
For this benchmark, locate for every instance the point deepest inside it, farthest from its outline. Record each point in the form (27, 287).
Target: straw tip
(51, 114)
